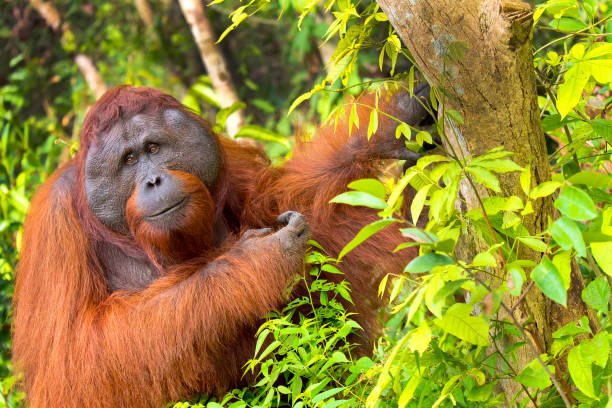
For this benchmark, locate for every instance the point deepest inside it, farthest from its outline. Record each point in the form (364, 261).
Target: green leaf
(496, 204)
(567, 234)
(324, 395)
(427, 262)
(223, 114)
(570, 91)
(353, 118)
(525, 179)
(516, 278)
(398, 189)
(563, 261)
(500, 165)
(597, 294)
(423, 136)
(533, 243)
(579, 367)
(331, 269)
(567, 24)
(576, 204)
(484, 259)
(599, 50)
(408, 391)
(534, 375)
(549, 280)
(359, 198)
(459, 322)
(429, 159)
(597, 349)
(420, 338)
(260, 133)
(602, 252)
(591, 179)
(417, 203)
(373, 124)
(384, 378)
(419, 235)
(370, 186)
(455, 116)
(600, 69)
(545, 189)
(365, 233)
(403, 129)
(603, 128)
(303, 98)
(485, 177)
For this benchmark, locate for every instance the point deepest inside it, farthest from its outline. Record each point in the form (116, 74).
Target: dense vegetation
(450, 338)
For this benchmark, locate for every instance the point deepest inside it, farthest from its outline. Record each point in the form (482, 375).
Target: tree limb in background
(480, 55)
(144, 11)
(212, 57)
(52, 17)
(91, 74)
(48, 12)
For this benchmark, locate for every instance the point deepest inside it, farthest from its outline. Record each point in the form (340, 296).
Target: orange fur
(78, 345)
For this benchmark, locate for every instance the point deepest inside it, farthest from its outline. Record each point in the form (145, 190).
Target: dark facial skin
(137, 153)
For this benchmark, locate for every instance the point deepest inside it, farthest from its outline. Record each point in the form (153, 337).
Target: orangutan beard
(191, 232)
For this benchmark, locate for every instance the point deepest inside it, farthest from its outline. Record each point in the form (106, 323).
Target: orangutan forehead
(137, 126)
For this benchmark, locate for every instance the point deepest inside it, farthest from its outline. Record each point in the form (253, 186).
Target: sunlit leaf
(597, 294)
(417, 203)
(370, 186)
(420, 338)
(427, 262)
(567, 234)
(485, 177)
(602, 252)
(533, 243)
(535, 376)
(458, 321)
(408, 391)
(570, 90)
(365, 233)
(548, 279)
(579, 367)
(545, 189)
(359, 198)
(516, 278)
(576, 204)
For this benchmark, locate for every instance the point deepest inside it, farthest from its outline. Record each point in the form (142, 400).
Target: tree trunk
(216, 67)
(479, 54)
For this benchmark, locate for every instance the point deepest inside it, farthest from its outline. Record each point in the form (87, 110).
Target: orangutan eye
(153, 148)
(130, 158)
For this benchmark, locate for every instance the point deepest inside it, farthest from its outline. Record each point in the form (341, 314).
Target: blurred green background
(44, 96)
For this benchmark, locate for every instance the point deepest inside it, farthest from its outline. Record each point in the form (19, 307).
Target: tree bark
(492, 86)
(214, 62)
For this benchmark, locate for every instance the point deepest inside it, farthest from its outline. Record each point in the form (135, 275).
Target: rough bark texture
(493, 87)
(212, 57)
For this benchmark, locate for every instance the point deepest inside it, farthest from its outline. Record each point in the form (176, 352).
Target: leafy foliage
(448, 320)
